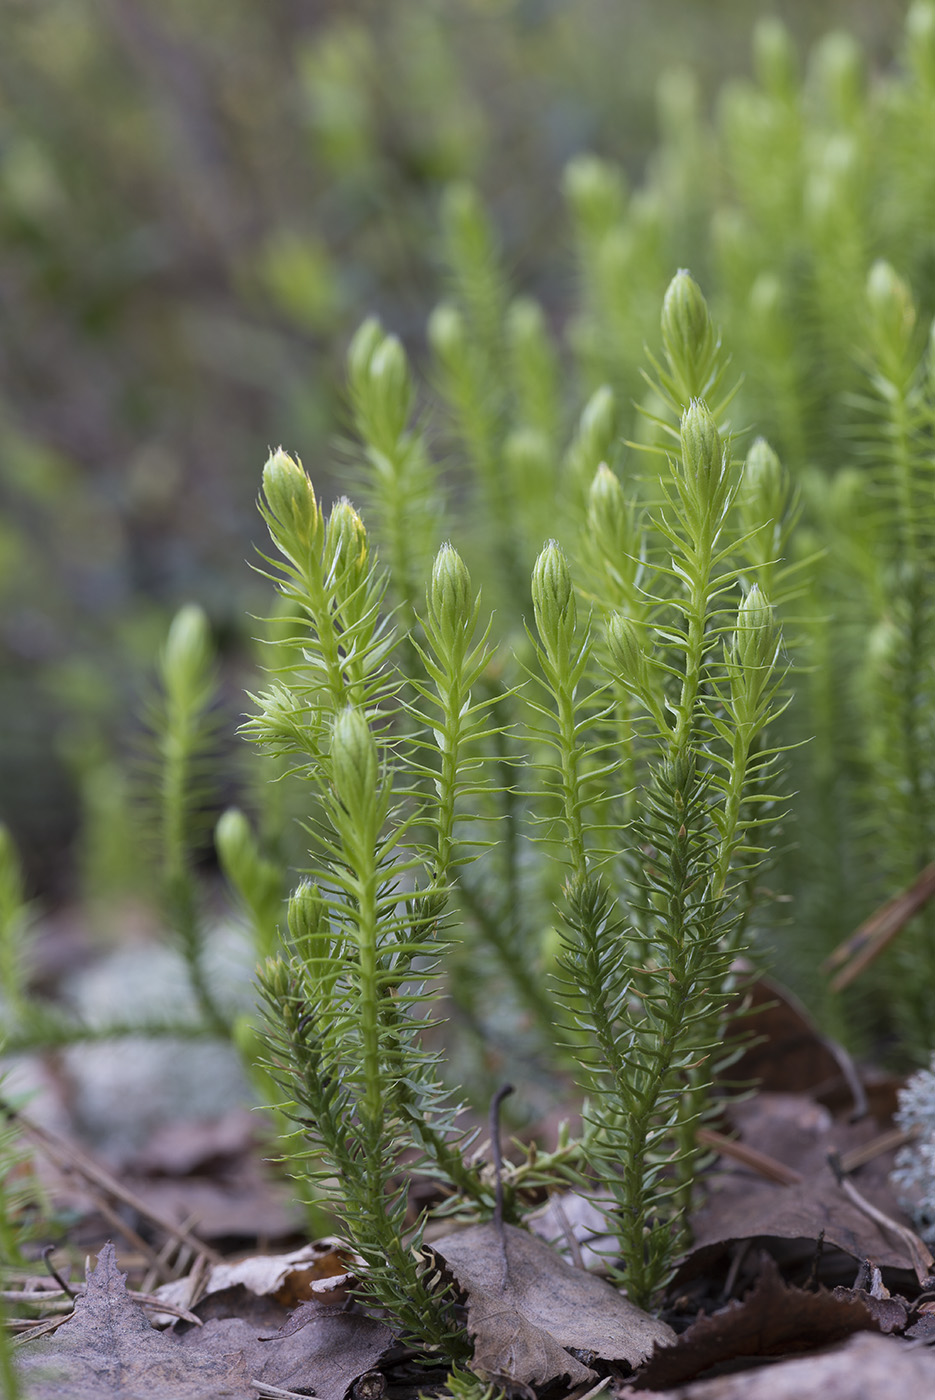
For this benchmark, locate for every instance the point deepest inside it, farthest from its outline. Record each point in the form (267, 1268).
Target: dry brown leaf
(324, 1357)
(815, 1208)
(526, 1308)
(109, 1349)
(773, 1319)
(315, 1270)
(866, 1367)
(788, 1053)
(742, 1205)
(890, 1314)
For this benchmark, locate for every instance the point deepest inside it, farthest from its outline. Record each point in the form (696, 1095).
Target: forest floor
(804, 1277)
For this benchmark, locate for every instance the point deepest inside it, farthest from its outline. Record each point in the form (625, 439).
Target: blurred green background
(199, 201)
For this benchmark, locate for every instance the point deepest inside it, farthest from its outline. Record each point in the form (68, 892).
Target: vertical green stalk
(564, 659)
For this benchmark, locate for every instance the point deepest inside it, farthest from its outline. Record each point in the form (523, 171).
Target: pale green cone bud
(276, 979)
(627, 651)
(346, 549)
(528, 459)
(188, 653)
(687, 331)
(355, 766)
(277, 723)
(774, 59)
(446, 334)
(553, 597)
(464, 217)
(307, 919)
(450, 599)
(702, 451)
(892, 316)
(596, 193)
(594, 440)
(839, 66)
(764, 490)
(598, 423)
(233, 841)
(525, 326)
(364, 344)
(755, 638)
(389, 392)
(609, 522)
(766, 297)
(290, 499)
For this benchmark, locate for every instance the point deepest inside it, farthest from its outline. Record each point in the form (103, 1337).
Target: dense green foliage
(537, 767)
(392, 716)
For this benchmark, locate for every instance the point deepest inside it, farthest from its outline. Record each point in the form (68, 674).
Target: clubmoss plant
(183, 723)
(14, 933)
(665, 652)
(347, 999)
(655, 1020)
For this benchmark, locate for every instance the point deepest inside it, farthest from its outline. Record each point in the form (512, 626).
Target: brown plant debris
(771, 1320)
(523, 1318)
(865, 1367)
(108, 1349)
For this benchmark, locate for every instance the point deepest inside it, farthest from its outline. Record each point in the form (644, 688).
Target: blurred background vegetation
(199, 202)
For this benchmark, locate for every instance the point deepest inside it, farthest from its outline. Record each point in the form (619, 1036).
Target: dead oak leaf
(526, 1305)
(108, 1348)
(773, 1319)
(324, 1356)
(865, 1367)
(745, 1208)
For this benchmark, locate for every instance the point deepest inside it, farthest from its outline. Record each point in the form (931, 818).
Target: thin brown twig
(132, 1237)
(67, 1157)
(61, 1298)
(876, 933)
(32, 1330)
(497, 1153)
(885, 1142)
(922, 1260)
(760, 1162)
(62, 1282)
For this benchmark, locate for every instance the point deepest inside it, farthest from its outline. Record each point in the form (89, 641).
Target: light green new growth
(349, 996)
(14, 933)
(184, 735)
(674, 669)
(651, 913)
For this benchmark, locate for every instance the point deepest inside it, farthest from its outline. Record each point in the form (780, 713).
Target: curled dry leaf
(795, 1130)
(322, 1269)
(526, 1305)
(773, 1319)
(865, 1367)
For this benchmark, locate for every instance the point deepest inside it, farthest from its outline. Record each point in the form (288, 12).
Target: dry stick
(38, 1329)
(131, 1236)
(62, 1282)
(760, 1162)
(922, 1260)
(70, 1158)
(183, 1258)
(886, 1142)
(66, 1298)
(868, 941)
(497, 1152)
